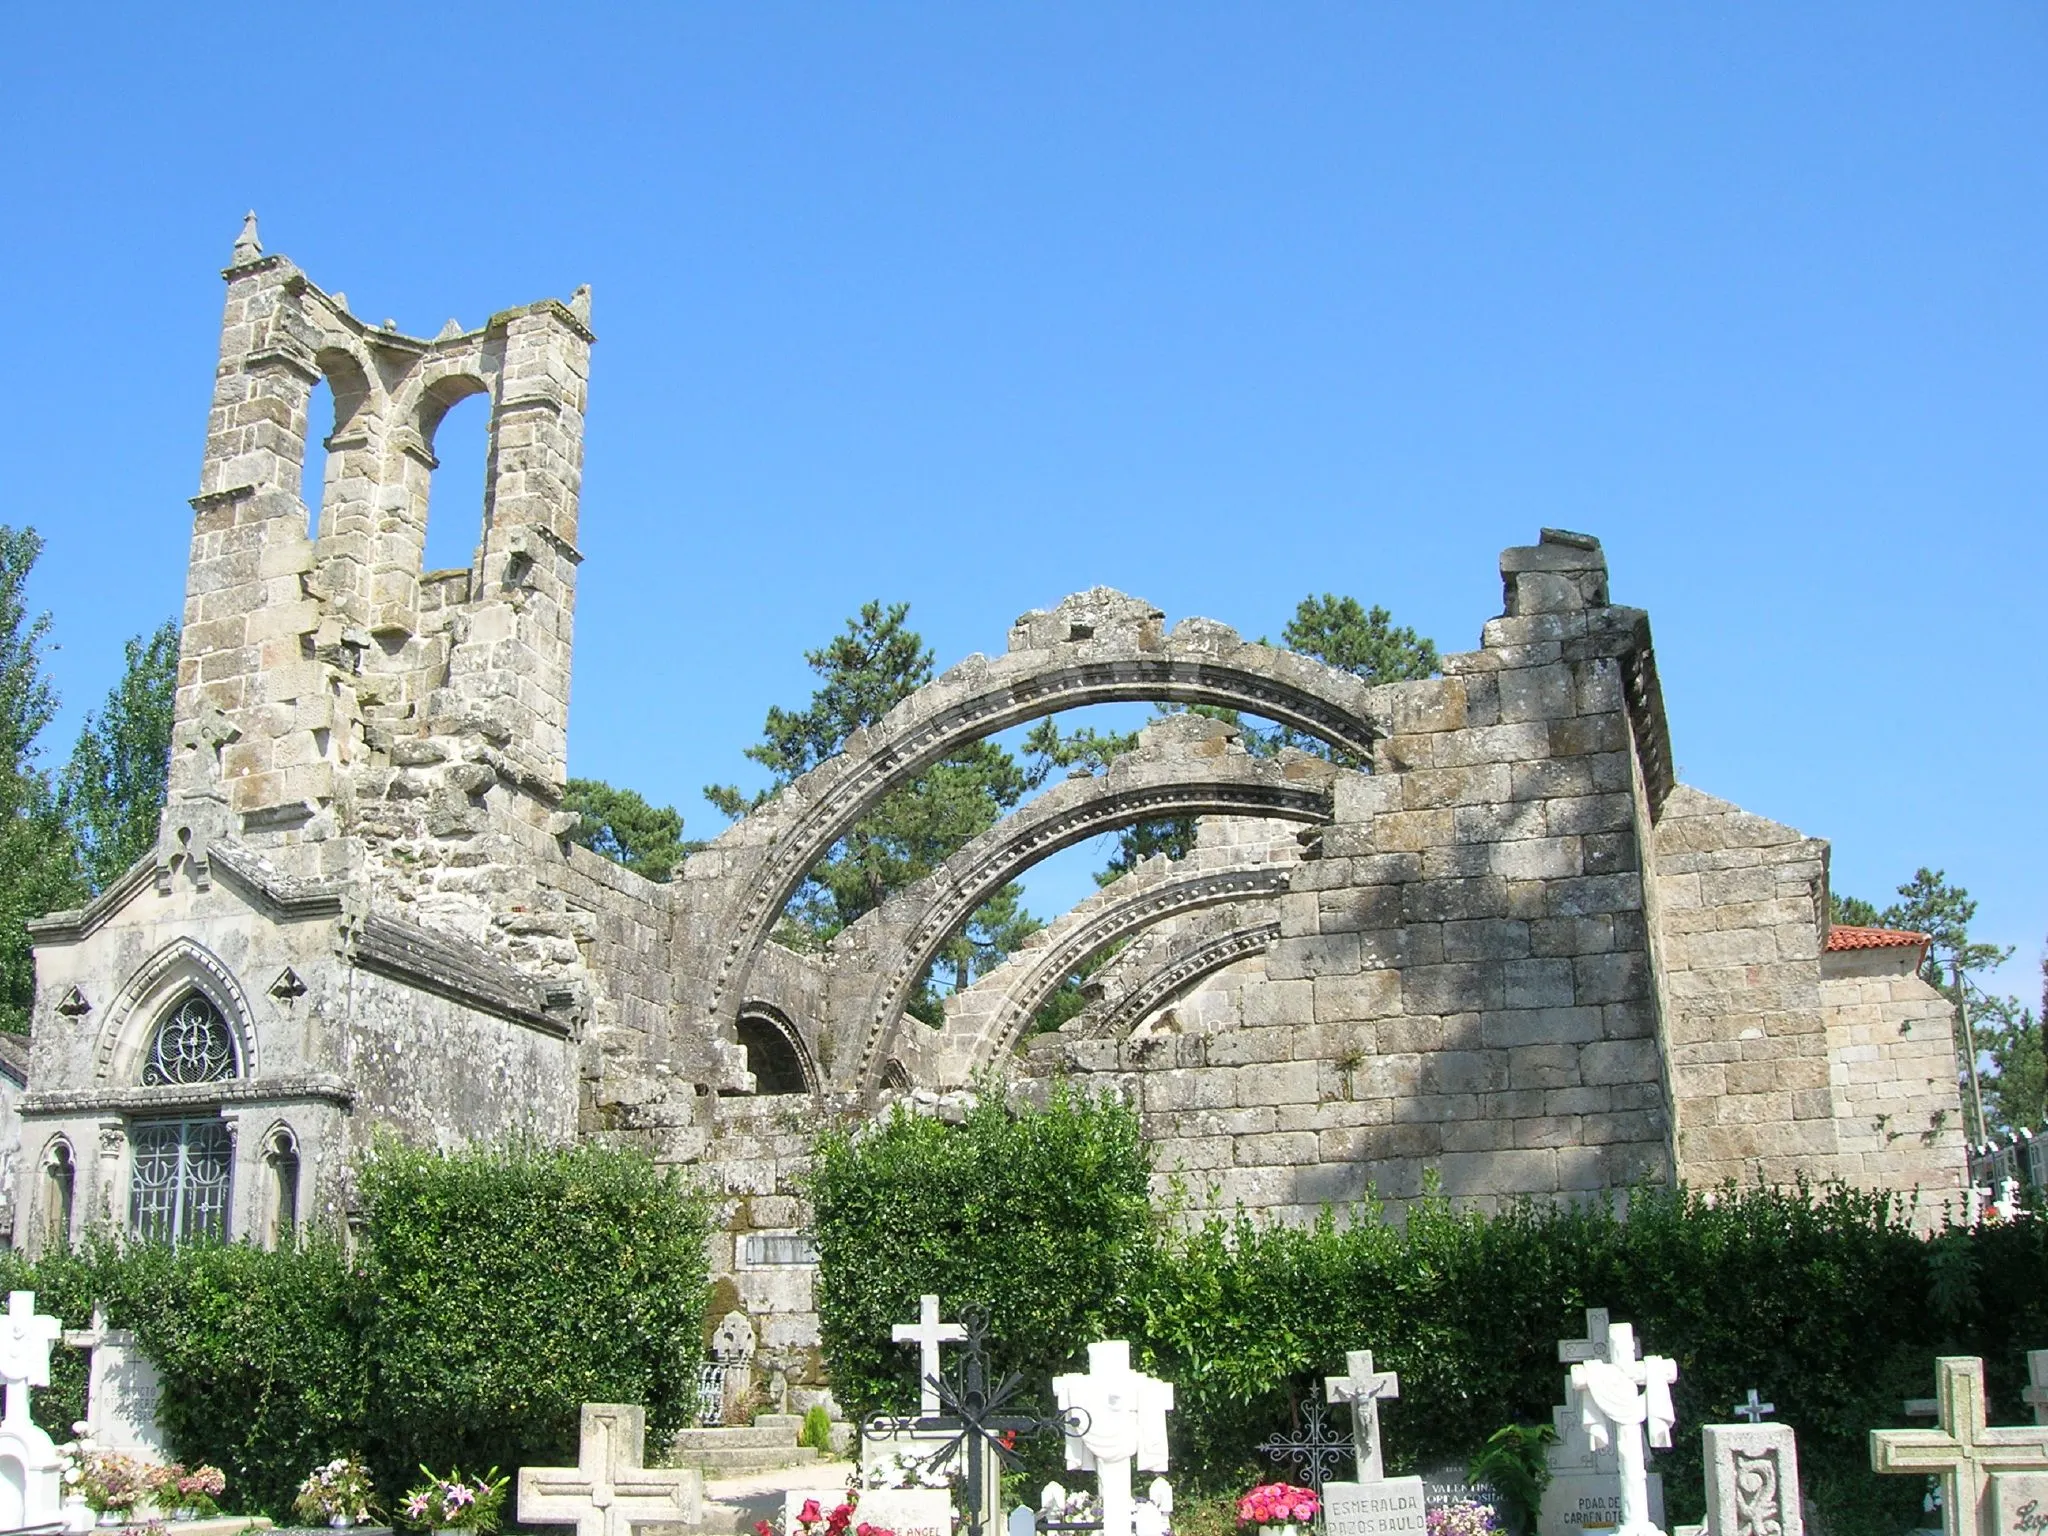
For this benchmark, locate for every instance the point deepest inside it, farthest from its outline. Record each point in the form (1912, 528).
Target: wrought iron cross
(1753, 1410)
(1312, 1447)
(979, 1419)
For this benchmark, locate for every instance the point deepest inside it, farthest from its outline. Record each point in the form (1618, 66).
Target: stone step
(739, 1437)
(735, 1461)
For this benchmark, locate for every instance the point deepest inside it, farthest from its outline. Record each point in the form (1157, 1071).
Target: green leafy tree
(2007, 1035)
(112, 793)
(37, 871)
(618, 823)
(1851, 911)
(874, 664)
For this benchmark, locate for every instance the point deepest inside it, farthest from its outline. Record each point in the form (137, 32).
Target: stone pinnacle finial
(247, 247)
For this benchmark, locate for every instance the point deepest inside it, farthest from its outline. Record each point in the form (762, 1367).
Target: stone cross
(25, 1340)
(1572, 1451)
(610, 1490)
(1619, 1399)
(2035, 1393)
(1967, 1455)
(1125, 1423)
(1363, 1387)
(927, 1333)
(1753, 1410)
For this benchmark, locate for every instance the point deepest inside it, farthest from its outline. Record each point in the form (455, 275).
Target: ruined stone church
(1506, 950)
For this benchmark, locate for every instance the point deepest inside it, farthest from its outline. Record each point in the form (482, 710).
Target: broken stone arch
(1095, 648)
(1164, 966)
(985, 1021)
(1185, 765)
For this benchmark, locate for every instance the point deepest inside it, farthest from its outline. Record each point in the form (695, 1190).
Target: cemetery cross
(1753, 1410)
(2035, 1393)
(25, 1340)
(1964, 1451)
(1312, 1448)
(973, 1414)
(1363, 1387)
(927, 1333)
(1620, 1399)
(611, 1489)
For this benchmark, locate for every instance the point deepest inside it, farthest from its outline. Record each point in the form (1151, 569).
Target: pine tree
(877, 662)
(112, 793)
(621, 825)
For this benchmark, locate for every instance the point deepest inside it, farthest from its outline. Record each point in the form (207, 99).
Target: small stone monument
(732, 1346)
(1752, 1480)
(31, 1471)
(611, 1489)
(1584, 1494)
(1618, 1400)
(122, 1392)
(1375, 1504)
(1125, 1425)
(1994, 1482)
(2035, 1393)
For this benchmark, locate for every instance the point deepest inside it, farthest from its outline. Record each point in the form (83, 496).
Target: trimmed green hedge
(493, 1293)
(1827, 1302)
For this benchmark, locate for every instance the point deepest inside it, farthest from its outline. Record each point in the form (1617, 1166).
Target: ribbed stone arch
(1165, 965)
(1097, 647)
(1184, 765)
(986, 1020)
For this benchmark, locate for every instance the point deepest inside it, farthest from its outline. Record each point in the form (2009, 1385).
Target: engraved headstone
(906, 1511)
(2035, 1393)
(1752, 1480)
(122, 1392)
(1614, 1401)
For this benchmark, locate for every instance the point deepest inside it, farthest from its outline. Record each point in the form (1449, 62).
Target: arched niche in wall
(774, 1054)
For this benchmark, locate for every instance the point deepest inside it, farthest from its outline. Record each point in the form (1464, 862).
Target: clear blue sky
(976, 305)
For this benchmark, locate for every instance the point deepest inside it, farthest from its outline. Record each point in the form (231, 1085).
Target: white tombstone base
(1579, 1502)
(1390, 1506)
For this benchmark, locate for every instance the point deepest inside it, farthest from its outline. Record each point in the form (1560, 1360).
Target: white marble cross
(1965, 1453)
(2035, 1393)
(927, 1333)
(610, 1490)
(1753, 1410)
(1363, 1387)
(25, 1340)
(1125, 1413)
(1620, 1398)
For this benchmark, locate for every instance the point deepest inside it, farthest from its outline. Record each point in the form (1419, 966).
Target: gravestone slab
(2019, 1504)
(1449, 1483)
(918, 1445)
(1576, 1502)
(1391, 1506)
(1752, 1480)
(910, 1511)
(906, 1511)
(122, 1393)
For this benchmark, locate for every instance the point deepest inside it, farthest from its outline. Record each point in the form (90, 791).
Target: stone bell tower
(315, 663)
